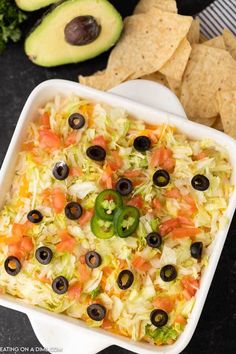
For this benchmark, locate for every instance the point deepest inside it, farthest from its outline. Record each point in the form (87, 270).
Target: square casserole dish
(72, 334)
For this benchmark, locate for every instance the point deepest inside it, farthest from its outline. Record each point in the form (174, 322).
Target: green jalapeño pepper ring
(126, 220)
(107, 203)
(102, 228)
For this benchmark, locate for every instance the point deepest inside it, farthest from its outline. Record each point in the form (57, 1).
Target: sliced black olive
(96, 311)
(76, 121)
(60, 170)
(124, 186)
(200, 183)
(142, 143)
(60, 285)
(73, 211)
(125, 279)
(196, 249)
(159, 318)
(82, 30)
(154, 240)
(168, 273)
(161, 178)
(34, 216)
(43, 255)
(12, 265)
(96, 153)
(93, 259)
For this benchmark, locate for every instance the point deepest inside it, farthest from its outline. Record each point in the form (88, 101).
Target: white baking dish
(73, 335)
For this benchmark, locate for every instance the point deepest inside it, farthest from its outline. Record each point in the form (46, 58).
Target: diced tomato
(162, 157)
(45, 120)
(18, 230)
(156, 204)
(84, 272)
(19, 245)
(140, 264)
(27, 244)
(106, 178)
(115, 162)
(156, 158)
(86, 216)
(190, 285)
(136, 201)
(133, 173)
(180, 319)
(49, 140)
(45, 280)
(165, 303)
(178, 227)
(74, 291)
(58, 200)
(71, 139)
(202, 155)
(180, 232)
(190, 208)
(173, 193)
(67, 243)
(169, 164)
(168, 225)
(82, 259)
(16, 251)
(185, 221)
(186, 294)
(107, 271)
(100, 140)
(76, 171)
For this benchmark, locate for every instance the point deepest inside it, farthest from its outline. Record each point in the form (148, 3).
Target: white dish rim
(54, 87)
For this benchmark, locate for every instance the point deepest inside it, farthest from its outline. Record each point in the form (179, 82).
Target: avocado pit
(82, 30)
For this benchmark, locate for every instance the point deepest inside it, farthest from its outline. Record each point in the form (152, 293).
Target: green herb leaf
(10, 19)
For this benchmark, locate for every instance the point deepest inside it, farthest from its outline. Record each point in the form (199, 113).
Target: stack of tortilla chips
(160, 45)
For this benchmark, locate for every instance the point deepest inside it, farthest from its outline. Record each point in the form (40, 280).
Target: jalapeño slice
(126, 220)
(101, 228)
(106, 204)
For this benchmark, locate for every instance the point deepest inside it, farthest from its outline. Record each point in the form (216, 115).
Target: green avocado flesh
(32, 5)
(46, 44)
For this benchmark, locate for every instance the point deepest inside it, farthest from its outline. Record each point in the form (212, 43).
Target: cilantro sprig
(10, 19)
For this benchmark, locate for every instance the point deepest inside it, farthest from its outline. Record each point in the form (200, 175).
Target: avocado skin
(51, 10)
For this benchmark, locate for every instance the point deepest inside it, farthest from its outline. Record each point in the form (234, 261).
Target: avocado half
(47, 46)
(29, 5)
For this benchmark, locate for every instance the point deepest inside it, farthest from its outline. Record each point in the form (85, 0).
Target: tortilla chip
(230, 42)
(217, 42)
(205, 121)
(227, 106)
(147, 43)
(209, 70)
(175, 66)
(157, 77)
(218, 124)
(203, 38)
(193, 35)
(164, 5)
(175, 86)
(102, 80)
